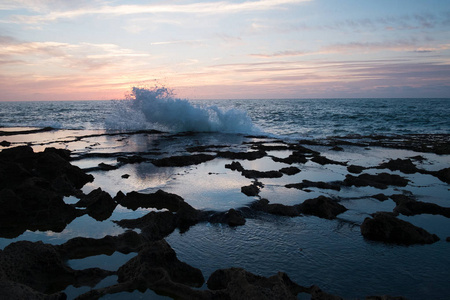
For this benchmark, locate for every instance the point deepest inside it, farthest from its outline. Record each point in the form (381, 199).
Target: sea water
(329, 253)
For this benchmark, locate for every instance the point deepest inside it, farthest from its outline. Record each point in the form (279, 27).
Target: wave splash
(157, 108)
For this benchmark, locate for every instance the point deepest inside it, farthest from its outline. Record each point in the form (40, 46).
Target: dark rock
(106, 167)
(237, 283)
(251, 155)
(183, 160)
(320, 184)
(5, 144)
(41, 267)
(232, 217)
(99, 204)
(261, 174)
(380, 197)
(337, 148)
(250, 190)
(81, 247)
(275, 208)
(443, 175)
(290, 170)
(403, 165)
(156, 264)
(296, 157)
(235, 166)
(322, 207)
(322, 160)
(447, 239)
(380, 181)
(318, 294)
(125, 176)
(15, 290)
(387, 228)
(355, 169)
(408, 206)
(159, 200)
(385, 297)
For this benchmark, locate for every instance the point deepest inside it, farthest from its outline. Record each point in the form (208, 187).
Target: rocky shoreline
(33, 186)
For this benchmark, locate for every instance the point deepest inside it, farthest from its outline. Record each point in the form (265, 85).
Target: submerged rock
(387, 228)
(232, 217)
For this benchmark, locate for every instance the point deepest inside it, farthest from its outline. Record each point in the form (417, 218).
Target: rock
(385, 297)
(447, 239)
(275, 208)
(322, 207)
(380, 181)
(318, 294)
(133, 159)
(443, 175)
(41, 267)
(251, 155)
(290, 170)
(250, 190)
(15, 290)
(5, 144)
(81, 247)
(322, 160)
(99, 204)
(296, 157)
(183, 160)
(160, 199)
(125, 176)
(387, 228)
(261, 174)
(157, 264)
(237, 283)
(408, 206)
(232, 217)
(320, 184)
(355, 169)
(403, 165)
(235, 166)
(106, 167)
(337, 148)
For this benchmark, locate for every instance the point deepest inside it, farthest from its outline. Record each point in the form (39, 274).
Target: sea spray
(157, 108)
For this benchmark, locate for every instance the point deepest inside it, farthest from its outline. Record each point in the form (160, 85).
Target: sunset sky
(93, 49)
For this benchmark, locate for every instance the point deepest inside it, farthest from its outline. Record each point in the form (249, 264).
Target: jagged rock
(41, 267)
(133, 159)
(15, 290)
(106, 167)
(322, 207)
(380, 197)
(408, 206)
(322, 160)
(235, 166)
(160, 199)
(250, 190)
(261, 174)
(99, 204)
(237, 283)
(403, 165)
(320, 184)
(251, 155)
(355, 169)
(443, 175)
(290, 170)
(380, 181)
(183, 160)
(156, 264)
(232, 217)
(387, 228)
(275, 208)
(5, 144)
(81, 247)
(296, 157)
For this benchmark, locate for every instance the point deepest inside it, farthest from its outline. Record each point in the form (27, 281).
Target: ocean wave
(157, 108)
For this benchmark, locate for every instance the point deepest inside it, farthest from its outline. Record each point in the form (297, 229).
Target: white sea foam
(157, 108)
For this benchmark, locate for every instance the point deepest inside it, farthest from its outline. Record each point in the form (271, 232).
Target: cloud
(209, 8)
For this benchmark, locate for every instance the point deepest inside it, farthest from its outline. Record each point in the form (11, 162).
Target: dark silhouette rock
(237, 283)
(320, 184)
(132, 159)
(296, 157)
(322, 160)
(106, 167)
(380, 197)
(290, 170)
(387, 228)
(250, 190)
(183, 160)
(5, 144)
(261, 174)
(322, 207)
(380, 181)
(251, 155)
(408, 206)
(99, 204)
(41, 267)
(160, 199)
(355, 169)
(231, 217)
(443, 175)
(403, 165)
(235, 166)
(15, 290)
(275, 208)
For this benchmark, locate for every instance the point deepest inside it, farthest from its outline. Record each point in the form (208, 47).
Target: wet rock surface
(33, 185)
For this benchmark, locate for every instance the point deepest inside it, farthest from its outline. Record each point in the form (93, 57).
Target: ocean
(329, 253)
(295, 118)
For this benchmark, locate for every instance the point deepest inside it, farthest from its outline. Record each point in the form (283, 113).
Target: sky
(230, 49)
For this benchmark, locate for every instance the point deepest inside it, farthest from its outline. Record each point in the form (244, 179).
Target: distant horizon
(229, 49)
